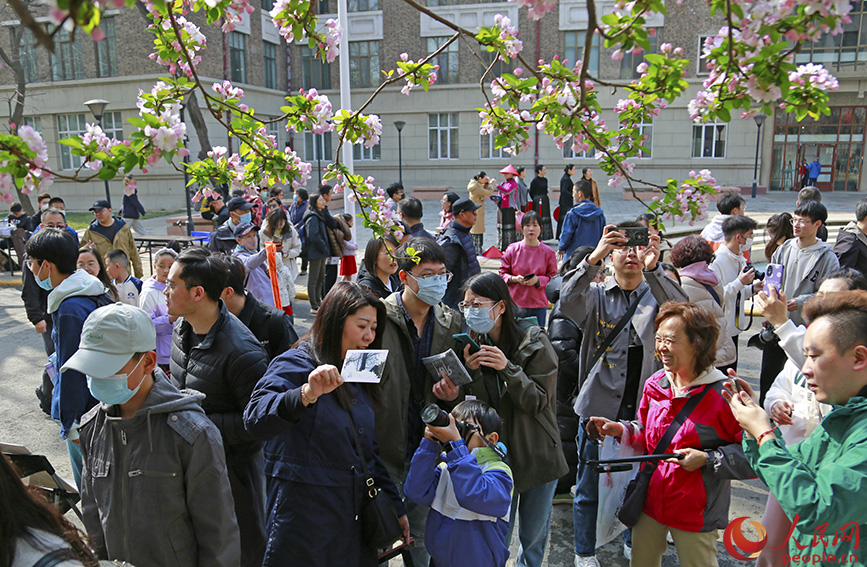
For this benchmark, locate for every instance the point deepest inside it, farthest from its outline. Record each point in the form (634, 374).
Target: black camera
(434, 415)
(764, 338)
(760, 275)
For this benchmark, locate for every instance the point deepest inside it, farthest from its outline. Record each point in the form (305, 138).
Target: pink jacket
(696, 501)
(507, 192)
(521, 260)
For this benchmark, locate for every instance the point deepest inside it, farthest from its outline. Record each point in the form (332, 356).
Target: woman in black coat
(379, 270)
(541, 203)
(566, 201)
(316, 248)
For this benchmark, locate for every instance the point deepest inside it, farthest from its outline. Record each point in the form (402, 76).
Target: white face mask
(748, 246)
(44, 206)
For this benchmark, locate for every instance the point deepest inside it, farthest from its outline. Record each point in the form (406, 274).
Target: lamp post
(97, 108)
(760, 119)
(399, 124)
(187, 196)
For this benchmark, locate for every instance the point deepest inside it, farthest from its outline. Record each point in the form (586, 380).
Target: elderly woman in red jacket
(687, 497)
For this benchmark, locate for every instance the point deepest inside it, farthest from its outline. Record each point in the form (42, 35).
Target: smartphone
(736, 385)
(464, 339)
(637, 235)
(774, 276)
(529, 276)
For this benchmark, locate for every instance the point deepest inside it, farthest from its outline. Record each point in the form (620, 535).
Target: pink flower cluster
(233, 13)
(410, 83)
(816, 75)
(536, 8)
(509, 36)
(194, 43)
(333, 35)
(303, 168)
(373, 130)
(93, 133)
(168, 136)
(36, 178)
(318, 120)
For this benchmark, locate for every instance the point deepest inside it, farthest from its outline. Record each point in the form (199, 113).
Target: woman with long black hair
(522, 387)
(566, 201)
(310, 420)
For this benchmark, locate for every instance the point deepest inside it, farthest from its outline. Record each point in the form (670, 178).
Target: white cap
(111, 335)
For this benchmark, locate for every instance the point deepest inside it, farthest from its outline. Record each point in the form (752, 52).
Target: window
(845, 51)
(489, 149)
(267, 5)
(363, 63)
(112, 125)
(443, 135)
(630, 61)
(323, 7)
(315, 73)
(702, 61)
(363, 5)
(27, 56)
(574, 49)
(646, 130)
(269, 53)
(360, 153)
(69, 125)
(317, 146)
(455, 2)
(106, 50)
(447, 60)
(34, 121)
(709, 141)
(66, 59)
(238, 56)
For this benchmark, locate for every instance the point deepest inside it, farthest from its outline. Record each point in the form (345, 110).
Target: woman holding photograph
(309, 418)
(523, 388)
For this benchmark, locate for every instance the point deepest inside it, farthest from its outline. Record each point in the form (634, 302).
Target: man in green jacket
(419, 325)
(820, 482)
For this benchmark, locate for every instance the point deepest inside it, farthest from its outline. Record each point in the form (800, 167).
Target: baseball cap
(109, 338)
(236, 203)
(463, 205)
(244, 228)
(101, 204)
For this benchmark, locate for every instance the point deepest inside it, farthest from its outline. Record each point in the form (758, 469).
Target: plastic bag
(612, 488)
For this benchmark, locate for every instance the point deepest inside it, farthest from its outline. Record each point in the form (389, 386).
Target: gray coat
(596, 308)
(155, 491)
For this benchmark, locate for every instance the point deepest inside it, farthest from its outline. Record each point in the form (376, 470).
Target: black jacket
(851, 248)
(316, 244)
(132, 207)
(270, 326)
(225, 367)
(35, 299)
(461, 260)
(566, 201)
(375, 285)
(223, 238)
(539, 187)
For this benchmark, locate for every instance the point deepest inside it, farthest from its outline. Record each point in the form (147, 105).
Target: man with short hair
(584, 222)
(57, 203)
(271, 326)
(813, 194)
(223, 238)
(128, 286)
(461, 259)
(821, 481)
(179, 513)
(42, 199)
(806, 260)
(813, 171)
(20, 223)
(395, 195)
(851, 245)
(419, 325)
(214, 353)
(730, 267)
(612, 386)
(108, 232)
(74, 294)
(729, 203)
(411, 211)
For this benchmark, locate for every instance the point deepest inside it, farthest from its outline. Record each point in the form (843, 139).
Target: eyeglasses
(626, 250)
(29, 263)
(801, 222)
(430, 277)
(463, 305)
(667, 341)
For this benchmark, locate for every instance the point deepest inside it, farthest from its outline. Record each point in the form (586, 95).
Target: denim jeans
(534, 507)
(540, 313)
(586, 501)
(75, 458)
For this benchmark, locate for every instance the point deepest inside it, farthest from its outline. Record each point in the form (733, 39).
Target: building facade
(440, 143)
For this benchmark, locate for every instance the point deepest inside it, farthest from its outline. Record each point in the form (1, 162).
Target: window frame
(238, 57)
(106, 51)
(64, 154)
(594, 49)
(269, 65)
(371, 65)
(488, 141)
(450, 130)
(701, 68)
(311, 150)
(635, 62)
(444, 60)
(714, 139)
(66, 61)
(309, 66)
(28, 56)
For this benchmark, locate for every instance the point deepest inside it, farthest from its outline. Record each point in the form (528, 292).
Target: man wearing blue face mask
(419, 325)
(223, 239)
(151, 455)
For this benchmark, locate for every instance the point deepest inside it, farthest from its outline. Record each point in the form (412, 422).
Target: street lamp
(97, 108)
(760, 119)
(399, 124)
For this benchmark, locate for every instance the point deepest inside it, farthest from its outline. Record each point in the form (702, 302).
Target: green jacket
(823, 480)
(391, 416)
(525, 396)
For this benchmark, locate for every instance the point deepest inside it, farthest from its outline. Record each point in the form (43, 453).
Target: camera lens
(433, 415)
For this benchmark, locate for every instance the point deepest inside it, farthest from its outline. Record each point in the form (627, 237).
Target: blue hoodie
(69, 305)
(582, 227)
(470, 495)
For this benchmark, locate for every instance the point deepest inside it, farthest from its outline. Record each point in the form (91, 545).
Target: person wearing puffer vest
(469, 493)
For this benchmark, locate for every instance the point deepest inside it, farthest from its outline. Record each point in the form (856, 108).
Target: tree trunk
(199, 124)
(17, 112)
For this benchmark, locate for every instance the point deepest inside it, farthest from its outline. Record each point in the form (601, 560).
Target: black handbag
(379, 524)
(636, 490)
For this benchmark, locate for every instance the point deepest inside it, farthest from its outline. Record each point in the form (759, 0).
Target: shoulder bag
(379, 525)
(636, 491)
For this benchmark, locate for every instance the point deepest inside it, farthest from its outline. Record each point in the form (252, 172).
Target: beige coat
(478, 194)
(725, 348)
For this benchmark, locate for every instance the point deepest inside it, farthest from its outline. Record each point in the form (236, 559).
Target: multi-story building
(440, 141)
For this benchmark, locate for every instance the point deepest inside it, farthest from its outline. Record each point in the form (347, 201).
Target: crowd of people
(202, 430)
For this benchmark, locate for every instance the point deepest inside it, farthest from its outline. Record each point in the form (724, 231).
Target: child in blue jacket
(469, 493)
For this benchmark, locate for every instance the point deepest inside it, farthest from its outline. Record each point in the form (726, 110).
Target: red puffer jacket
(696, 501)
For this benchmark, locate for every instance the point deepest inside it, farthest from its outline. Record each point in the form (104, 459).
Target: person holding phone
(687, 497)
(527, 267)
(522, 386)
(306, 415)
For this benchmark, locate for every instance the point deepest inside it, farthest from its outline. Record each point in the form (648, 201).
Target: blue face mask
(479, 319)
(46, 283)
(431, 289)
(246, 217)
(114, 390)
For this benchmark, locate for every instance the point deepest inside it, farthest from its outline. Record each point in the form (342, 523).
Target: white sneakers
(588, 561)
